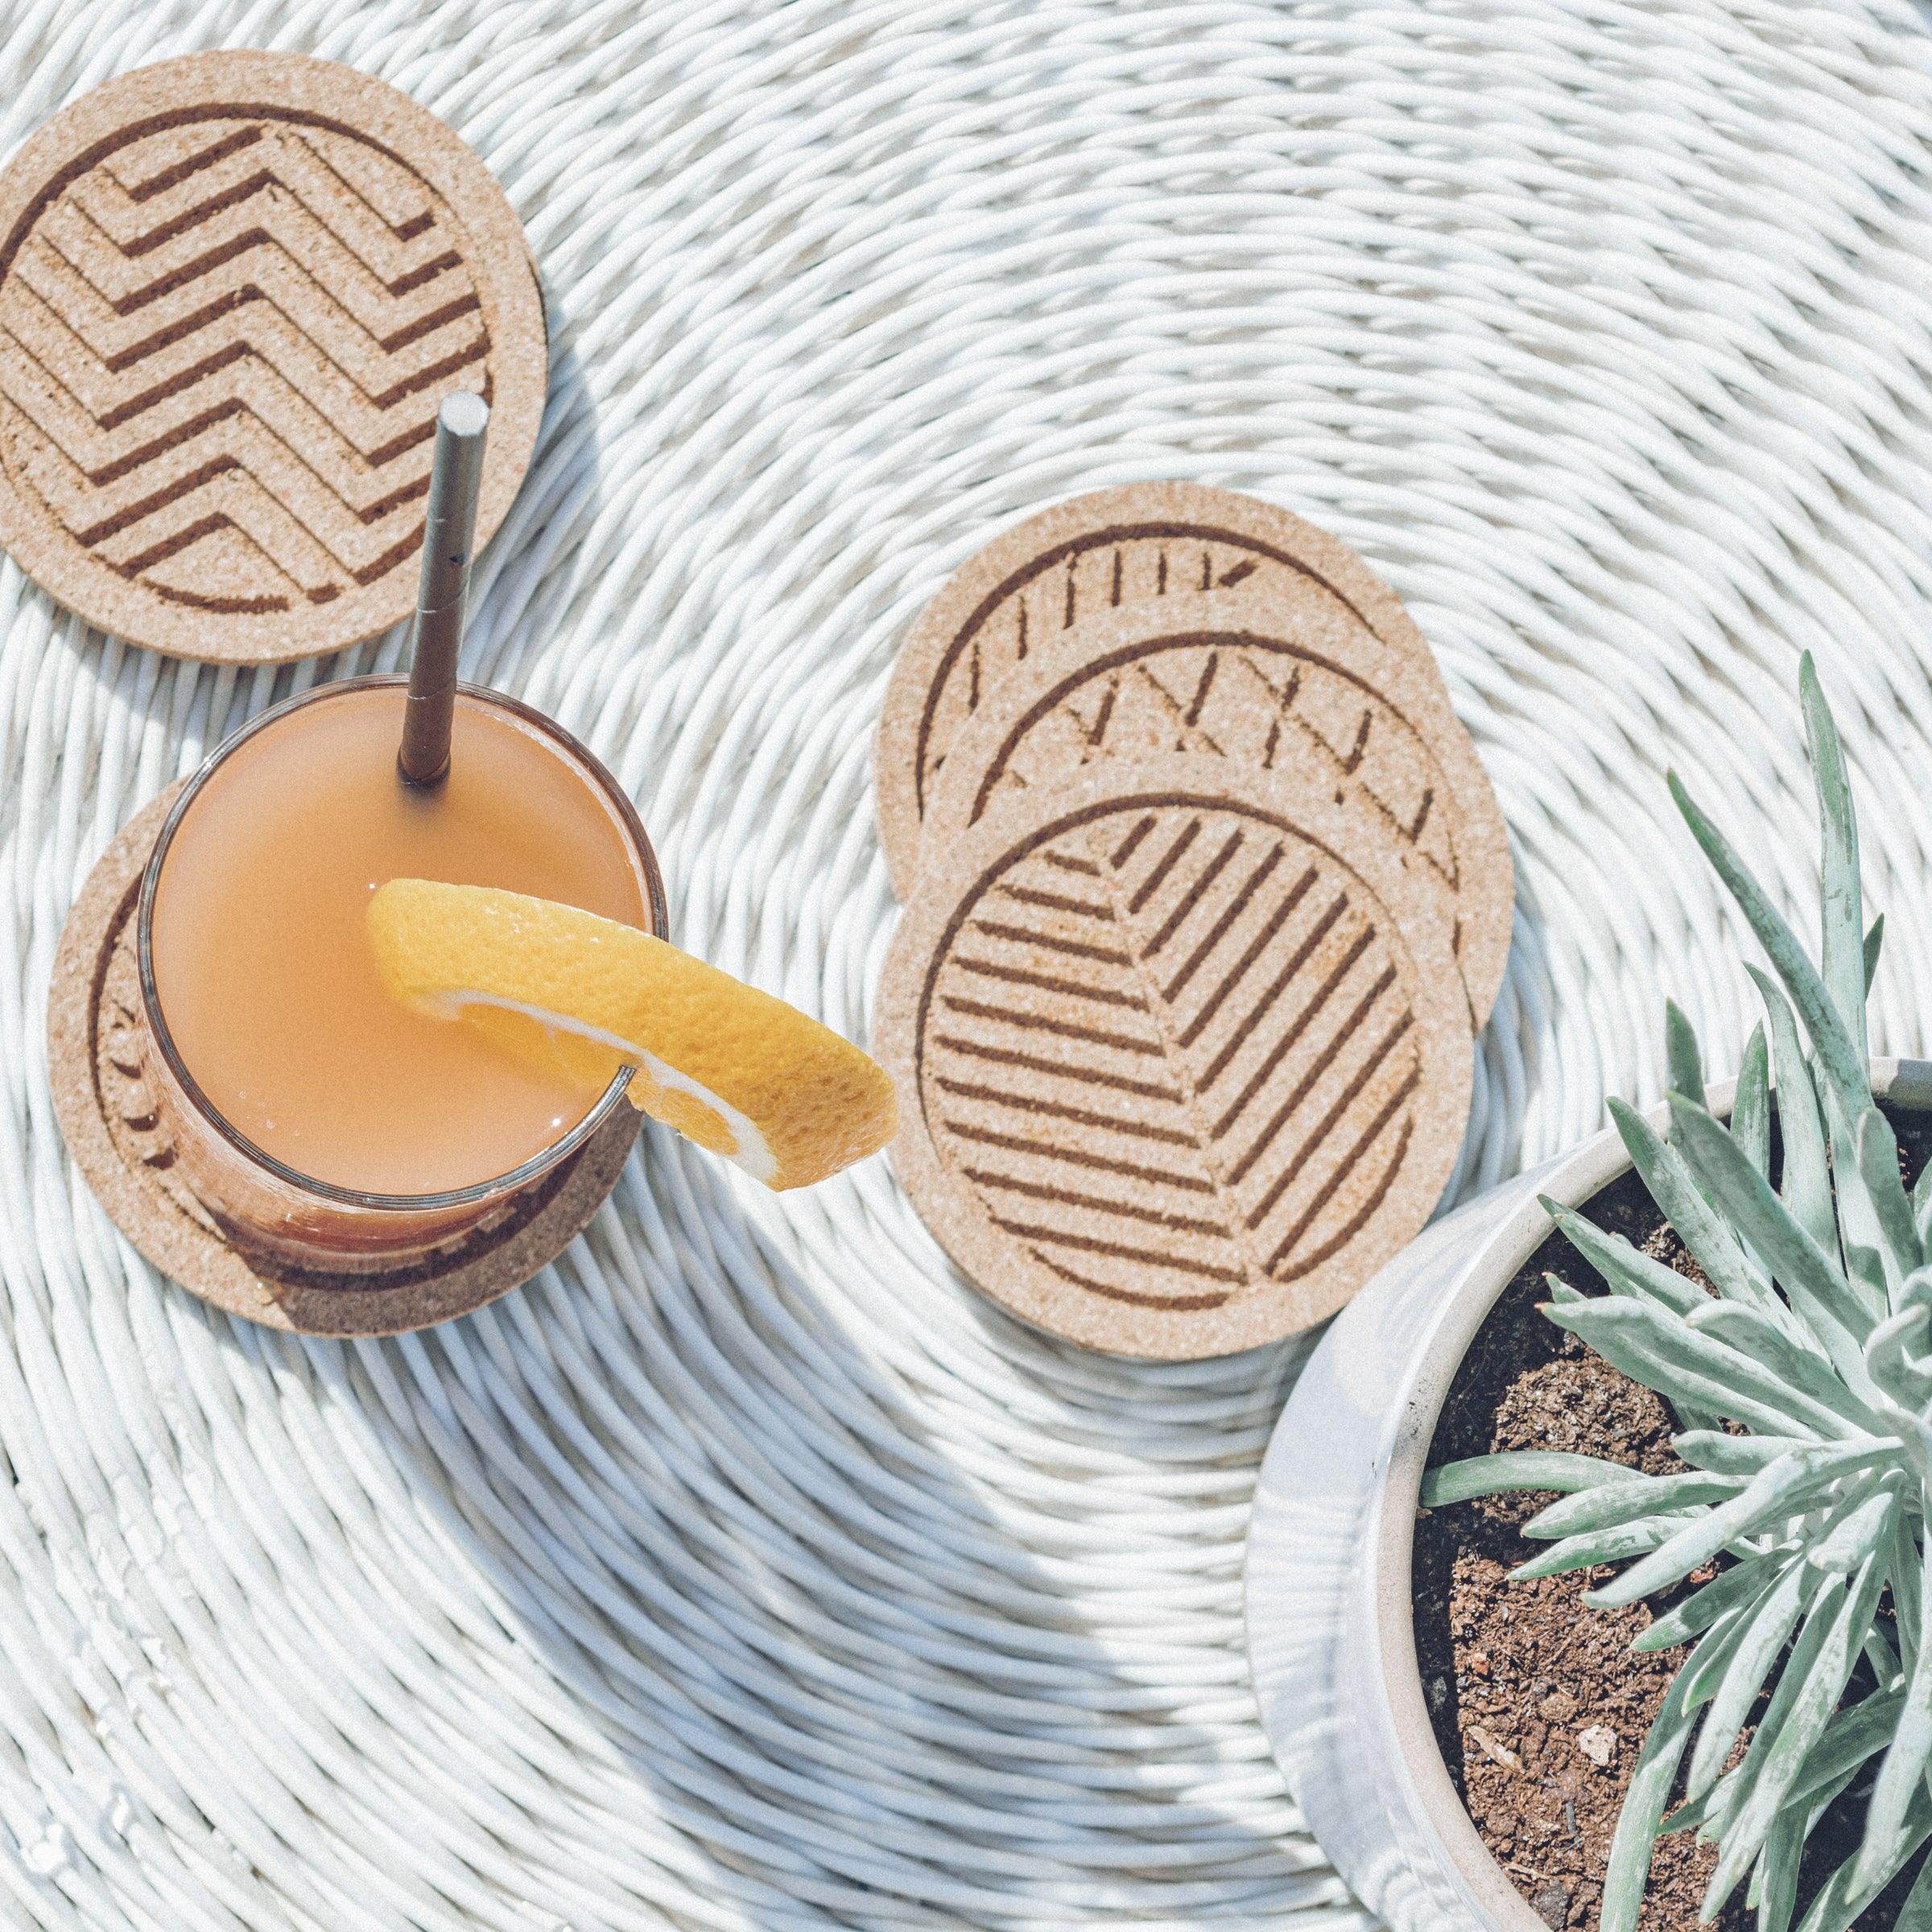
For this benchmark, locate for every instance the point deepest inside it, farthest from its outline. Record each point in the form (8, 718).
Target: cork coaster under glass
(105, 1097)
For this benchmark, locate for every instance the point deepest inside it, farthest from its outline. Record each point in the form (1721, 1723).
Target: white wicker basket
(747, 1570)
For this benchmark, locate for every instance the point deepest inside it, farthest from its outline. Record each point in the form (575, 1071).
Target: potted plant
(1766, 1551)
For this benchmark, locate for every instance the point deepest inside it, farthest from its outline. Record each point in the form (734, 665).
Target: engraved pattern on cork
(1102, 570)
(221, 348)
(1170, 1052)
(1259, 700)
(123, 1090)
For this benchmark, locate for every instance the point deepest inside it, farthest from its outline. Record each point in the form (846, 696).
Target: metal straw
(448, 533)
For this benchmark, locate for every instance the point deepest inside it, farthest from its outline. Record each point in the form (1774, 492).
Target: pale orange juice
(266, 1000)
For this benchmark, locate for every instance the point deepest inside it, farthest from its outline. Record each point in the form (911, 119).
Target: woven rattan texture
(748, 1570)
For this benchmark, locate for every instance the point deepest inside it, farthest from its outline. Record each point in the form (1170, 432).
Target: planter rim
(1573, 1179)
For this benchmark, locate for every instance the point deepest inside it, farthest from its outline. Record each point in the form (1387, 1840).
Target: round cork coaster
(235, 289)
(107, 1113)
(1134, 545)
(1181, 1061)
(1279, 679)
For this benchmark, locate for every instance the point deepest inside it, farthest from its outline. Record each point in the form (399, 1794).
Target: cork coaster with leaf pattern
(1183, 1056)
(1137, 544)
(1282, 678)
(106, 1104)
(235, 289)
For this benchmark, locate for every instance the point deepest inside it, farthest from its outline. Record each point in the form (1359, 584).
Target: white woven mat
(746, 1570)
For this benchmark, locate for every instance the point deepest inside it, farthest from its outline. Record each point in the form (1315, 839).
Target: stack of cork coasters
(1207, 893)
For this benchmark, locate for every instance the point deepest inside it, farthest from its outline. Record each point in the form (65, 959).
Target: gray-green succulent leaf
(1799, 1359)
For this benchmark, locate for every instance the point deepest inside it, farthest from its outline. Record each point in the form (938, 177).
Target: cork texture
(1113, 548)
(1283, 679)
(1182, 1057)
(235, 289)
(106, 1106)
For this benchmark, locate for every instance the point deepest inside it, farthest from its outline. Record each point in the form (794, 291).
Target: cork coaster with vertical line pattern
(1137, 544)
(1283, 679)
(235, 289)
(1182, 1058)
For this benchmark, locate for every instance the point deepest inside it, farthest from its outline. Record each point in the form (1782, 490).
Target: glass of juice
(317, 1118)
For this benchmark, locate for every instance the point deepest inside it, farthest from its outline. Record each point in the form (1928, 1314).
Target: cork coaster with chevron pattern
(1280, 678)
(1183, 1058)
(235, 289)
(1111, 548)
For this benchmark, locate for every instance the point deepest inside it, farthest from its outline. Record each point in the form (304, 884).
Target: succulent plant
(1803, 1382)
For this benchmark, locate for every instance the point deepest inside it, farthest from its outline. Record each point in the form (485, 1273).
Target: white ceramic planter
(1329, 1631)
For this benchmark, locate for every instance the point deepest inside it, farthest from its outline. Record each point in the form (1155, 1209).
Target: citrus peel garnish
(742, 1074)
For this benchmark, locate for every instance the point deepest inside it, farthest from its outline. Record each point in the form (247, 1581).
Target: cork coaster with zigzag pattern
(1279, 679)
(235, 289)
